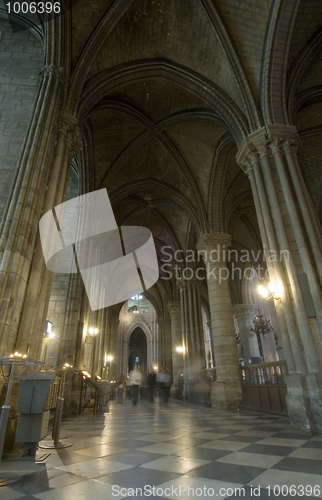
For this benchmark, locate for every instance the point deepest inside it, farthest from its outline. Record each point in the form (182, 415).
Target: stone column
(164, 330)
(112, 334)
(69, 342)
(39, 184)
(197, 326)
(226, 392)
(244, 314)
(284, 314)
(176, 340)
(287, 221)
(80, 344)
(192, 328)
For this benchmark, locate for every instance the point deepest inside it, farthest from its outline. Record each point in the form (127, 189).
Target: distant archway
(138, 350)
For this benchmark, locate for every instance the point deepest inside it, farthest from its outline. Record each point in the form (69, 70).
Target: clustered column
(290, 230)
(41, 183)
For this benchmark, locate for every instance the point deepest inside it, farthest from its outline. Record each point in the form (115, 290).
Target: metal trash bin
(103, 386)
(33, 421)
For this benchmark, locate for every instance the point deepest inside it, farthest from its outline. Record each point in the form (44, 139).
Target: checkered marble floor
(183, 451)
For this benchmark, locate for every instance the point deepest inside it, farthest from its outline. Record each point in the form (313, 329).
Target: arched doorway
(138, 350)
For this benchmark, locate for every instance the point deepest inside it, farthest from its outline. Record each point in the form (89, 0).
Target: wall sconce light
(180, 349)
(93, 331)
(269, 292)
(109, 358)
(155, 368)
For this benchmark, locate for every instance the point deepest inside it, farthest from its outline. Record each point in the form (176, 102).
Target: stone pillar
(286, 321)
(164, 330)
(176, 341)
(40, 184)
(287, 222)
(112, 334)
(244, 314)
(80, 344)
(192, 328)
(197, 326)
(68, 344)
(227, 392)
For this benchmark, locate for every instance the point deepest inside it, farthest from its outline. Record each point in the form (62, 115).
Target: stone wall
(21, 60)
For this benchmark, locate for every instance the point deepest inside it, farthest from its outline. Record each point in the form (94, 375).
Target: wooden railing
(264, 386)
(53, 393)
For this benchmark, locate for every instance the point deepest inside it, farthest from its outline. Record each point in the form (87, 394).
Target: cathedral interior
(201, 120)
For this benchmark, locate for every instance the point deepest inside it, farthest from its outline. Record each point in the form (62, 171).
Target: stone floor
(183, 451)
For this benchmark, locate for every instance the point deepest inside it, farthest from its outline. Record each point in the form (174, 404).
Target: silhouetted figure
(135, 378)
(164, 384)
(152, 382)
(120, 387)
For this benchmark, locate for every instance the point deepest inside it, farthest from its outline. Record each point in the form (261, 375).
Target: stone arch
(274, 61)
(102, 83)
(138, 323)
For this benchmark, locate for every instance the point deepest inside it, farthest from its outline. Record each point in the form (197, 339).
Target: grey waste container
(32, 395)
(103, 386)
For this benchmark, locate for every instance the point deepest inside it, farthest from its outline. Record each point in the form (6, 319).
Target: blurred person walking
(135, 378)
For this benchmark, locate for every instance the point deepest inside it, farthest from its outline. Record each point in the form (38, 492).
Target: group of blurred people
(194, 385)
(145, 385)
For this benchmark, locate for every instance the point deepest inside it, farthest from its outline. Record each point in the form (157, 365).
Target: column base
(315, 385)
(227, 395)
(302, 407)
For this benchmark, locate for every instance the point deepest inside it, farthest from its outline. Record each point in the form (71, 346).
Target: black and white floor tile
(178, 451)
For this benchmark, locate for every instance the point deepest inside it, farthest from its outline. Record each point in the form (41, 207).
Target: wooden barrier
(264, 386)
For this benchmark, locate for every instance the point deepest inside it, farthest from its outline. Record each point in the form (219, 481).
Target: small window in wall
(138, 304)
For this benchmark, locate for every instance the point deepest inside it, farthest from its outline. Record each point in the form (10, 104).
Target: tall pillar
(164, 330)
(226, 392)
(291, 230)
(176, 340)
(244, 314)
(192, 328)
(40, 184)
(112, 334)
(69, 342)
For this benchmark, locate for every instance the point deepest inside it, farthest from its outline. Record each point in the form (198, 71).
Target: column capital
(275, 145)
(246, 156)
(290, 146)
(55, 71)
(244, 310)
(67, 122)
(263, 139)
(174, 308)
(213, 242)
(68, 125)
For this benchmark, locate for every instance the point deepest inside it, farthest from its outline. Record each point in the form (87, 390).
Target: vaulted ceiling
(165, 91)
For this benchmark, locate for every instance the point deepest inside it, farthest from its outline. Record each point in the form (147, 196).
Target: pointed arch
(274, 61)
(252, 111)
(214, 96)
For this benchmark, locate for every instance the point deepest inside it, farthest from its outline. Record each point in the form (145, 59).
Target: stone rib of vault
(82, 234)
